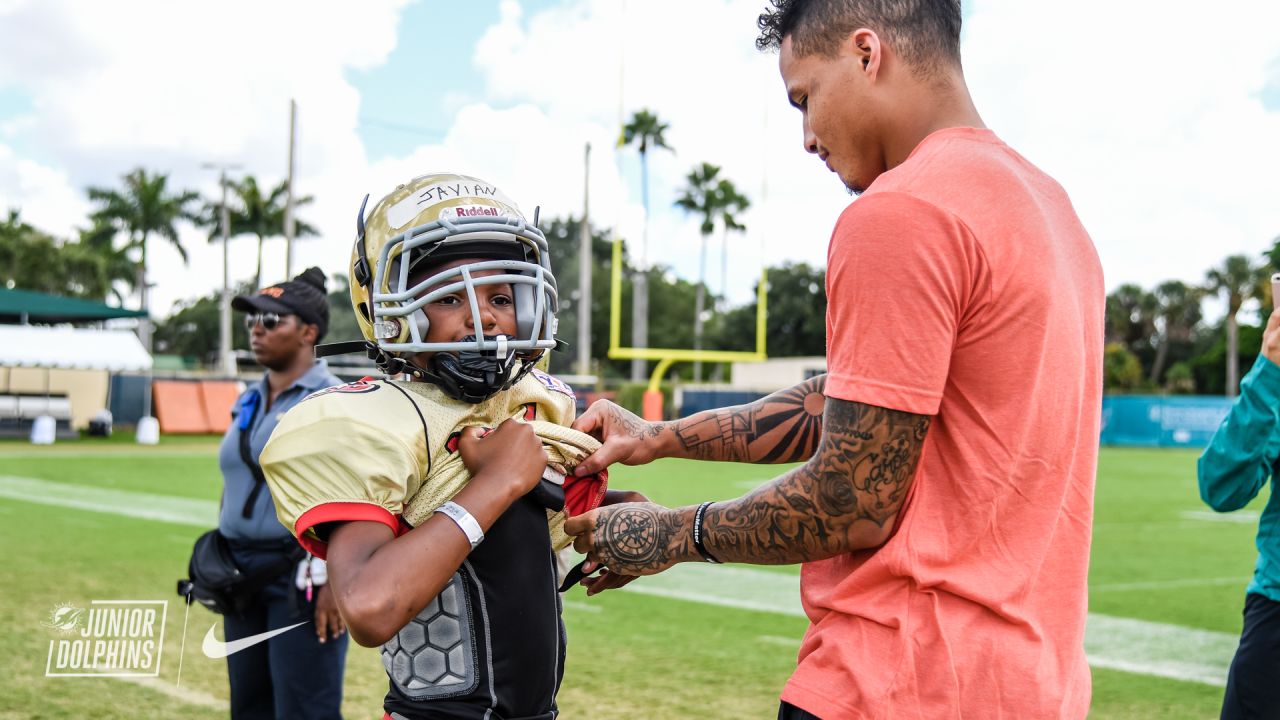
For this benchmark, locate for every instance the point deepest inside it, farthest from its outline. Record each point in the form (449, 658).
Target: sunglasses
(269, 321)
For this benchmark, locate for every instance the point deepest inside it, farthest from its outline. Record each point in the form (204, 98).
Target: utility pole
(585, 264)
(288, 203)
(226, 357)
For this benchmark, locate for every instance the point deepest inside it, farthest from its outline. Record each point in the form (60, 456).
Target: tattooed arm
(845, 498)
(783, 427)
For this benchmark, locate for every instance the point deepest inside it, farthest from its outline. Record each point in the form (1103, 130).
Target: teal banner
(1158, 421)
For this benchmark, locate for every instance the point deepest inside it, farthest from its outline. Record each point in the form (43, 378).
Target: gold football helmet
(429, 221)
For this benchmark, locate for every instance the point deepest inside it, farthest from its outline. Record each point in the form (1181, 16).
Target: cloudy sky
(1161, 120)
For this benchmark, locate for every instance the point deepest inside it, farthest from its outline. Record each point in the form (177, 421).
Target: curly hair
(925, 33)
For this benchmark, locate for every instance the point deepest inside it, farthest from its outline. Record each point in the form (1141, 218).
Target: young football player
(440, 536)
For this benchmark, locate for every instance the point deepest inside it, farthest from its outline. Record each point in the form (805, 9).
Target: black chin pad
(473, 376)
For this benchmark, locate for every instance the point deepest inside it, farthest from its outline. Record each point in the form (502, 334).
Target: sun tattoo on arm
(783, 427)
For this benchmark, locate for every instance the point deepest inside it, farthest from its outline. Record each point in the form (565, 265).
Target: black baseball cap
(305, 296)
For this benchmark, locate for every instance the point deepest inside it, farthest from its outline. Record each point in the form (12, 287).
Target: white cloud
(1156, 129)
(696, 66)
(1153, 123)
(47, 198)
(169, 86)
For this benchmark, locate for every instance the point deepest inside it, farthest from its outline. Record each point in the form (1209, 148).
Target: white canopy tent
(36, 346)
(63, 371)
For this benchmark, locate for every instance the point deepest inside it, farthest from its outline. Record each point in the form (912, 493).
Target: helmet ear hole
(363, 308)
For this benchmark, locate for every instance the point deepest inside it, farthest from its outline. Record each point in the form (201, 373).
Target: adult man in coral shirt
(944, 514)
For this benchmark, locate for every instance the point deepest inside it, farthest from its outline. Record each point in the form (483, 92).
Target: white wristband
(466, 523)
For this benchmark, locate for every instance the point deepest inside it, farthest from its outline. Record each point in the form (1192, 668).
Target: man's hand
(1271, 338)
(512, 456)
(632, 538)
(328, 620)
(607, 580)
(627, 439)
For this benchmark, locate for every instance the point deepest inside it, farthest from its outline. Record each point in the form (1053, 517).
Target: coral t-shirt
(962, 285)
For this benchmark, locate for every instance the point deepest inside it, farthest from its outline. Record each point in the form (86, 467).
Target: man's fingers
(579, 524)
(606, 581)
(589, 421)
(599, 460)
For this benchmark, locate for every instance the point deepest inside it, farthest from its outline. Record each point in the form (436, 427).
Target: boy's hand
(510, 456)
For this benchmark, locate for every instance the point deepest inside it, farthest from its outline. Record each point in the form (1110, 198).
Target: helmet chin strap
(474, 376)
(470, 376)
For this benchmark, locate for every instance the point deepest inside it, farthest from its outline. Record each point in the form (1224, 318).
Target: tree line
(1159, 341)
(796, 297)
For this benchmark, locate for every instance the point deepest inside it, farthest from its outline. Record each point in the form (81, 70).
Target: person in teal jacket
(1243, 455)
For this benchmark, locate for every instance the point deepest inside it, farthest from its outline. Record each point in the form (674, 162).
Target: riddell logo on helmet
(273, 291)
(472, 211)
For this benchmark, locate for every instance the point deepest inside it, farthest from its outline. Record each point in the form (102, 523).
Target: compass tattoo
(639, 537)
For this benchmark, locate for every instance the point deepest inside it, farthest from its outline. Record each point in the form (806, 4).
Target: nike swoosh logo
(214, 648)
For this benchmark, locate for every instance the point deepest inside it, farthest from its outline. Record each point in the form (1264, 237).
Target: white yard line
(582, 606)
(1244, 517)
(1241, 580)
(1136, 646)
(186, 695)
(145, 506)
(787, 642)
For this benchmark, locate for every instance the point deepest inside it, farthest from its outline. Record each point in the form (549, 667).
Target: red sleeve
(339, 512)
(899, 278)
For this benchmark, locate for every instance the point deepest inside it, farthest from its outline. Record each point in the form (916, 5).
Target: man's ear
(863, 45)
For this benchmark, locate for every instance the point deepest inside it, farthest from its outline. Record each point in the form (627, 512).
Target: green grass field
(1167, 583)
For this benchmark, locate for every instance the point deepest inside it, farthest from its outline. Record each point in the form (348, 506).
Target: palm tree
(252, 213)
(142, 208)
(644, 131)
(1237, 279)
(119, 268)
(1176, 317)
(1130, 316)
(699, 198)
(715, 199)
(730, 203)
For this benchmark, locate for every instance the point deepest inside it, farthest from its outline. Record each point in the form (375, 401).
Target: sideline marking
(1137, 646)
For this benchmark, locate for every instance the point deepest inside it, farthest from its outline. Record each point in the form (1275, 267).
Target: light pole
(226, 358)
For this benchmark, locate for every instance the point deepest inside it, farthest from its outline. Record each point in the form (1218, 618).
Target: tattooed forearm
(642, 536)
(783, 427)
(628, 424)
(845, 498)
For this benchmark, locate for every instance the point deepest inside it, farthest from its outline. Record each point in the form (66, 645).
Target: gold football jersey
(388, 451)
